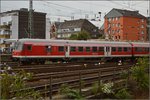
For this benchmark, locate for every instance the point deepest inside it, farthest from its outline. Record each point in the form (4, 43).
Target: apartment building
(125, 25)
(14, 25)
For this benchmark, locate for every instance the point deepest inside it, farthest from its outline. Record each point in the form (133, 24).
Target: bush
(138, 74)
(107, 88)
(123, 94)
(82, 35)
(95, 88)
(12, 83)
(70, 93)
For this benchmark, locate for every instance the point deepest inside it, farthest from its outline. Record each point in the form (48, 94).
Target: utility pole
(30, 21)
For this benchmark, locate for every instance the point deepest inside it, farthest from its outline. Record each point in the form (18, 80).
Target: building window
(113, 25)
(118, 31)
(4, 23)
(113, 19)
(142, 32)
(142, 26)
(118, 24)
(113, 31)
(142, 20)
(109, 19)
(71, 29)
(116, 37)
(116, 18)
(109, 31)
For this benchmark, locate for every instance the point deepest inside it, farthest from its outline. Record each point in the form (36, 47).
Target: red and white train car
(39, 49)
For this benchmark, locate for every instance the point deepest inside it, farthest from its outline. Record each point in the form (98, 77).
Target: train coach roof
(74, 42)
(78, 42)
(140, 44)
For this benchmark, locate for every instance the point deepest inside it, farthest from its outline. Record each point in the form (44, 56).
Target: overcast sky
(65, 10)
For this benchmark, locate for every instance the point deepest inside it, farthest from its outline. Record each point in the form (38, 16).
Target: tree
(82, 35)
(73, 37)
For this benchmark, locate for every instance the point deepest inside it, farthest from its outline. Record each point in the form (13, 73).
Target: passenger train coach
(39, 50)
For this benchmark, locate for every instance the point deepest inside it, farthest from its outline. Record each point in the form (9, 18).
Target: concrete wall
(14, 27)
(47, 28)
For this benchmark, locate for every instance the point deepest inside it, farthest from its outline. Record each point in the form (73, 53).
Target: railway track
(72, 78)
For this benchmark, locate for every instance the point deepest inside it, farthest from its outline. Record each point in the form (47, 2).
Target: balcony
(5, 36)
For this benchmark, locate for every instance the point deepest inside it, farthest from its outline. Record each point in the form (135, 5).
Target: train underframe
(27, 61)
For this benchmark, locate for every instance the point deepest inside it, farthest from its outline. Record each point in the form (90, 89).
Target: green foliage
(104, 88)
(83, 35)
(138, 73)
(96, 88)
(124, 74)
(102, 37)
(12, 83)
(70, 93)
(107, 88)
(73, 37)
(74, 94)
(64, 89)
(123, 94)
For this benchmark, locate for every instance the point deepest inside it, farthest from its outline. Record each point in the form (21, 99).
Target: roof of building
(20, 10)
(120, 12)
(74, 23)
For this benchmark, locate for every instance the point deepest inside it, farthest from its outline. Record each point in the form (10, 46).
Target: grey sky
(79, 9)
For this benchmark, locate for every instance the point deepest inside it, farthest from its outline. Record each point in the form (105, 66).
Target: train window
(73, 49)
(138, 49)
(101, 49)
(129, 49)
(94, 49)
(61, 48)
(48, 48)
(29, 47)
(125, 49)
(119, 49)
(87, 49)
(18, 46)
(113, 49)
(147, 49)
(80, 49)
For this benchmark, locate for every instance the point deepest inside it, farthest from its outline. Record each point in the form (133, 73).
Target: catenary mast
(30, 21)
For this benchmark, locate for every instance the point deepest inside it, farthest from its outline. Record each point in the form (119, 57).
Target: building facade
(65, 29)
(148, 28)
(14, 24)
(125, 25)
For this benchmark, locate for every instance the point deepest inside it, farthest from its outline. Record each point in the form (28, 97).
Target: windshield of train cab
(18, 46)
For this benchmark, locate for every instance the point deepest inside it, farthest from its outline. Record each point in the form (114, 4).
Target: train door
(107, 51)
(67, 51)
